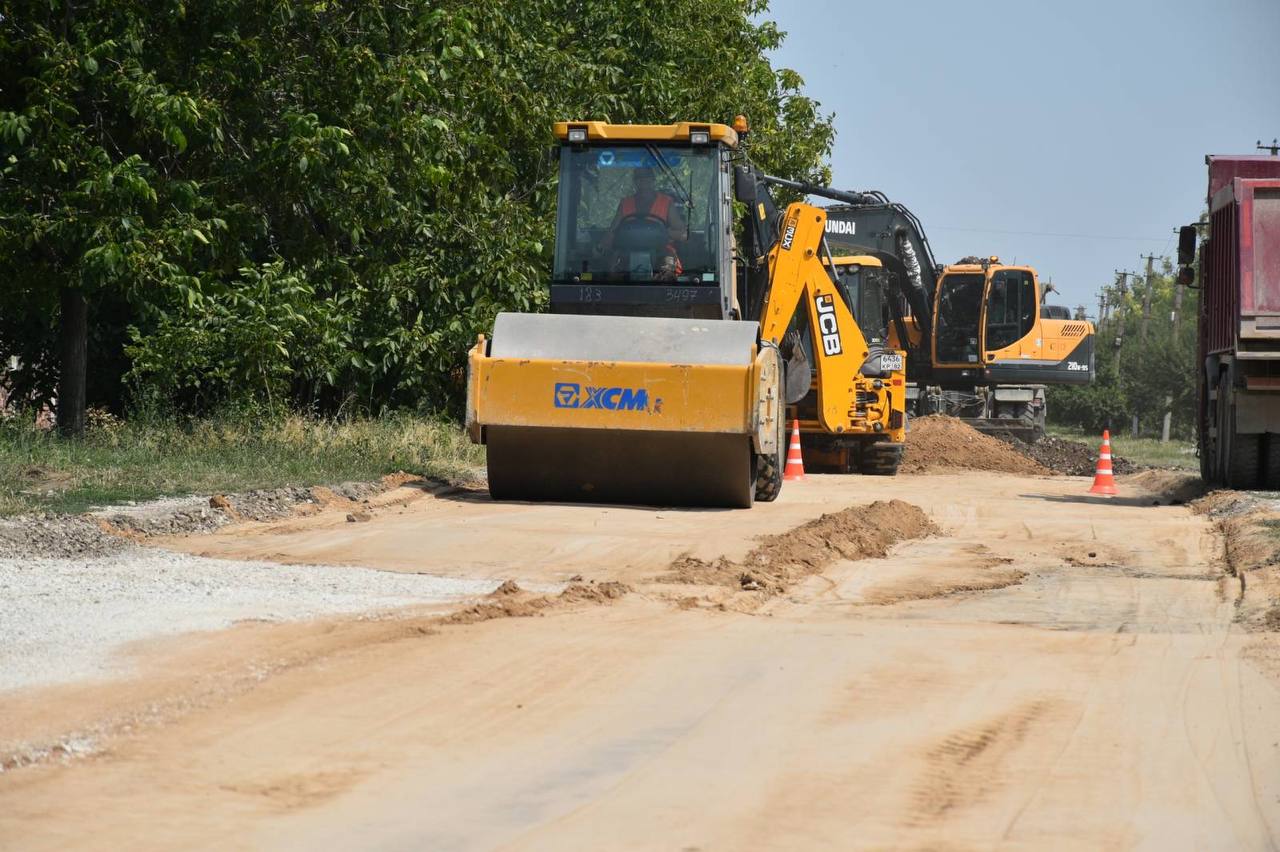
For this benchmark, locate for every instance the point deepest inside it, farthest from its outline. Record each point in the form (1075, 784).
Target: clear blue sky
(1081, 118)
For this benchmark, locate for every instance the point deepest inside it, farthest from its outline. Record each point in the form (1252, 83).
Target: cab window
(864, 293)
(959, 308)
(638, 214)
(1011, 308)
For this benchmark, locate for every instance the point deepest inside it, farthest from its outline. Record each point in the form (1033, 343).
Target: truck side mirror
(744, 185)
(1187, 244)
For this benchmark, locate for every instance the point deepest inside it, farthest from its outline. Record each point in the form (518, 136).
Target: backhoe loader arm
(796, 274)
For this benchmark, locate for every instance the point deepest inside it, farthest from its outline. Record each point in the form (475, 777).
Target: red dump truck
(1239, 322)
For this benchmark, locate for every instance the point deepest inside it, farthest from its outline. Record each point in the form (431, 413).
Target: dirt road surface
(1049, 671)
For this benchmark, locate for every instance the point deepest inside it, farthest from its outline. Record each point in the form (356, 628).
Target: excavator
(980, 343)
(675, 342)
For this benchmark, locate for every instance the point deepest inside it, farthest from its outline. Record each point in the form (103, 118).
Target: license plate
(891, 362)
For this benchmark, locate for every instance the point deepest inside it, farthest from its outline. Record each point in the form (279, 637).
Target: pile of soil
(1071, 458)
(511, 601)
(778, 561)
(1170, 486)
(938, 442)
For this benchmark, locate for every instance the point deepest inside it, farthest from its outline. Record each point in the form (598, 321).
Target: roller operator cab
(643, 221)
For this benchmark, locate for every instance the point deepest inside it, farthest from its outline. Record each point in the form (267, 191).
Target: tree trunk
(74, 345)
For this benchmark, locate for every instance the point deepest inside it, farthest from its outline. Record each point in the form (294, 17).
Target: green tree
(321, 204)
(1136, 375)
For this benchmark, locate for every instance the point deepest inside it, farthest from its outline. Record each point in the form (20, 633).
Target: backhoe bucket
(610, 409)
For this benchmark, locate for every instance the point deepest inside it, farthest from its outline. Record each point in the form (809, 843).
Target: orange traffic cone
(795, 461)
(1103, 480)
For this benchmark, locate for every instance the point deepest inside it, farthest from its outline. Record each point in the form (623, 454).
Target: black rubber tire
(770, 468)
(1271, 462)
(1222, 440)
(881, 459)
(1204, 444)
(1243, 455)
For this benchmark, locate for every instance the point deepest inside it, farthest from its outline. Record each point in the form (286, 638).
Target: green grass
(118, 462)
(1146, 451)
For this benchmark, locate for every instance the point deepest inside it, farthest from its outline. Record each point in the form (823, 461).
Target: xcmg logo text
(574, 395)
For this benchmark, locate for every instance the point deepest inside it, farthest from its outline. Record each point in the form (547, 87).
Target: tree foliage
(1137, 375)
(322, 203)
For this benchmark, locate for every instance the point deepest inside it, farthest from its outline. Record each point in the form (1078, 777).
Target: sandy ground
(1050, 671)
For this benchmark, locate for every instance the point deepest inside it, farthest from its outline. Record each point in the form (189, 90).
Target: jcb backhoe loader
(663, 370)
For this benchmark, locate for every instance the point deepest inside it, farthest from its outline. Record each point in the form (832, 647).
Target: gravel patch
(197, 515)
(66, 536)
(61, 619)
(112, 529)
(1067, 457)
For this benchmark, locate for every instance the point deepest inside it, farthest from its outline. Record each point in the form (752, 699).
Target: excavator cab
(989, 328)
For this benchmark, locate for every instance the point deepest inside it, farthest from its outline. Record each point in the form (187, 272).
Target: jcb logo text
(827, 325)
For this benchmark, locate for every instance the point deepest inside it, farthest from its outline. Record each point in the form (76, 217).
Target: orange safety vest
(659, 209)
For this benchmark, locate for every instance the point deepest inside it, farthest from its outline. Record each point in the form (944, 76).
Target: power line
(1052, 234)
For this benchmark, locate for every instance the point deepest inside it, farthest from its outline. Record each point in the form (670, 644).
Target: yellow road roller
(662, 372)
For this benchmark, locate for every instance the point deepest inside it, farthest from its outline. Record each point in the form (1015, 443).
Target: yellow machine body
(1004, 339)
(859, 422)
(640, 388)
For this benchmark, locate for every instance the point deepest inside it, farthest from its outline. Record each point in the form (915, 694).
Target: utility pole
(1274, 148)
(1146, 319)
(1117, 324)
(1122, 290)
(1177, 300)
(1146, 299)
(1118, 301)
(1167, 422)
